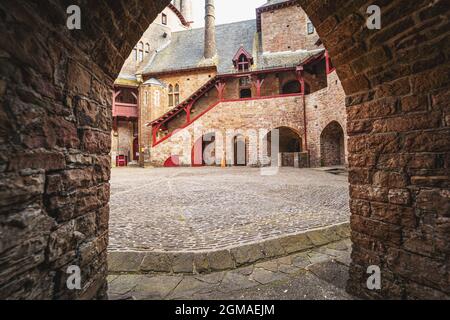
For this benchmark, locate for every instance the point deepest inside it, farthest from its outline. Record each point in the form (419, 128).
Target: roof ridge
(218, 25)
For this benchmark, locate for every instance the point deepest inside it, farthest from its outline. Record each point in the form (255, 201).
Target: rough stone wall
(396, 80)
(55, 125)
(322, 108)
(244, 115)
(286, 30)
(397, 83)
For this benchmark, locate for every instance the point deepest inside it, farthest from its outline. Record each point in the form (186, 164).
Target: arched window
(135, 54)
(140, 52)
(243, 64)
(156, 98)
(245, 93)
(147, 48)
(177, 94)
(171, 101)
(291, 87)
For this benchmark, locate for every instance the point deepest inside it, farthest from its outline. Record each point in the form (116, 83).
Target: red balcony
(126, 110)
(125, 103)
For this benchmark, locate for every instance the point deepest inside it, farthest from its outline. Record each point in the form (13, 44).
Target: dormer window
(242, 60)
(243, 64)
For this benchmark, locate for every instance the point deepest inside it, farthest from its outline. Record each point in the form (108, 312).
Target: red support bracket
(220, 86)
(188, 109)
(155, 133)
(258, 83)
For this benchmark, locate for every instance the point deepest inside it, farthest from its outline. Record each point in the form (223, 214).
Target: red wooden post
(155, 132)
(220, 86)
(259, 83)
(300, 79)
(188, 113)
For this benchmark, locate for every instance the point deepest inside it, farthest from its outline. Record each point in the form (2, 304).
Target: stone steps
(203, 262)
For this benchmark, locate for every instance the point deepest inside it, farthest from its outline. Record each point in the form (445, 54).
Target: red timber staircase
(185, 107)
(160, 125)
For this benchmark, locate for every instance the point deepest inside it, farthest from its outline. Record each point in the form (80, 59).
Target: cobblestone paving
(321, 273)
(195, 209)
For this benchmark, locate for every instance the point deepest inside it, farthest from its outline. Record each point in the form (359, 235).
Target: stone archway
(332, 145)
(55, 125)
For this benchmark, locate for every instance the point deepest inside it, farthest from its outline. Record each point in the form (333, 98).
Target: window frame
(310, 29)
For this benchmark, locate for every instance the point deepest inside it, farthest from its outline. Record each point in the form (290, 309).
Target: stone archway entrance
(55, 162)
(290, 146)
(332, 145)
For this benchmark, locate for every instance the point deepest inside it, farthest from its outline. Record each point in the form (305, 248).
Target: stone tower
(210, 30)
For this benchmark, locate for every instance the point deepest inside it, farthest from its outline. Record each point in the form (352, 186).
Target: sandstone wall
(322, 108)
(286, 30)
(244, 115)
(55, 125)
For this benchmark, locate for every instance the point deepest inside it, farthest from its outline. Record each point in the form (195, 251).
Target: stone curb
(136, 262)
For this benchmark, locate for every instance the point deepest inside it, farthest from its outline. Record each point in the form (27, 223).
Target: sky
(226, 11)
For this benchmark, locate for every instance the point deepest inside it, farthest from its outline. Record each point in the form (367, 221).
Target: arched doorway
(240, 151)
(289, 145)
(332, 145)
(203, 151)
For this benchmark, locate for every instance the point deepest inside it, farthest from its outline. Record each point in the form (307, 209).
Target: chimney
(186, 9)
(177, 4)
(210, 30)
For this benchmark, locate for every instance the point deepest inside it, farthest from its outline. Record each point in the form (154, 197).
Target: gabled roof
(186, 48)
(240, 52)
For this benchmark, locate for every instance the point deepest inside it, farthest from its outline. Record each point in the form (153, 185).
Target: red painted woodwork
(172, 161)
(219, 83)
(156, 127)
(220, 86)
(242, 59)
(258, 82)
(126, 110)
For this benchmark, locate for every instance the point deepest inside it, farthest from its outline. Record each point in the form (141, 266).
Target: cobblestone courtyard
(196, 209)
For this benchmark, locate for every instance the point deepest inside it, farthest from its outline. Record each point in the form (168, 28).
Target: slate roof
(285, 59)
(186, 48)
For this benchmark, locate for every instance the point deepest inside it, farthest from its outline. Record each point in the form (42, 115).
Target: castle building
(233, 81)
